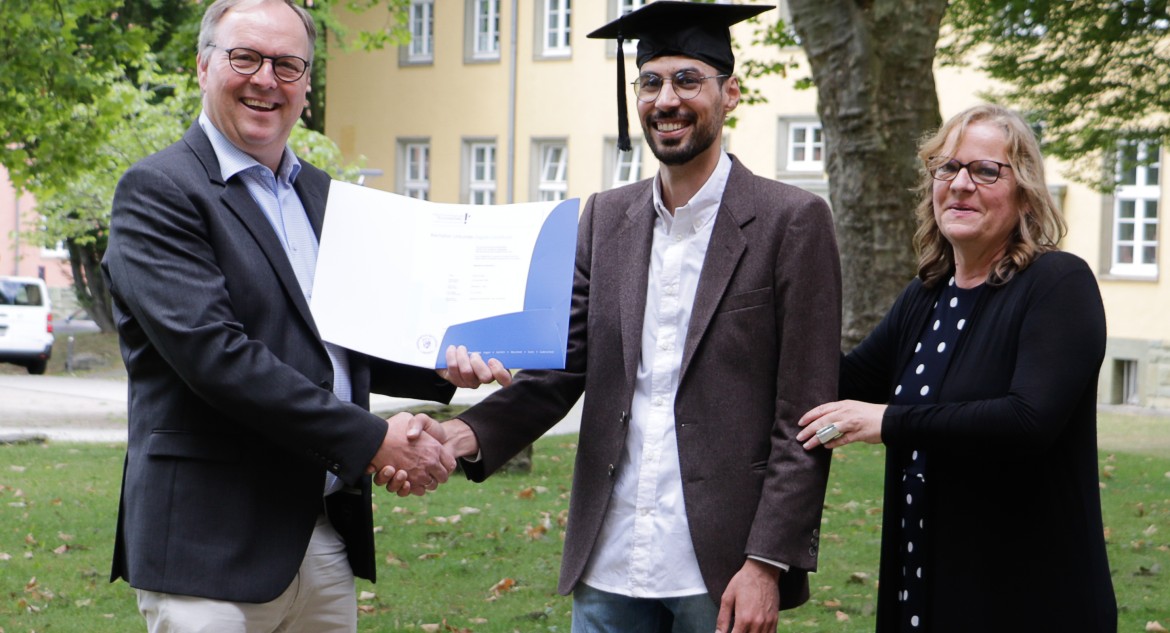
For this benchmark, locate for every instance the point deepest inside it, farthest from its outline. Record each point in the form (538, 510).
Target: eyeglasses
(982, 172)
(287, 68)
(687, 84)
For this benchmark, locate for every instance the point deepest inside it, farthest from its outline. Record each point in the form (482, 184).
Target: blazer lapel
(723, 254)
(631, 256)
(236, 199)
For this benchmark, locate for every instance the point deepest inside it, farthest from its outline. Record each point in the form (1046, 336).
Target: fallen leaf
(367, 595)
(842, 616)
(469, 510)
(477, 620)
(87, 602)
(1155, 627)
(31, 584)
(431, 555)
(535, 532)
(366, 608)
(430, 628)
(64, 537)
(832, 604)
(16, 469)
(1150, 531)
(527, 493)
(503, 586)
(61, 549)
(5, 556)
(858, 578)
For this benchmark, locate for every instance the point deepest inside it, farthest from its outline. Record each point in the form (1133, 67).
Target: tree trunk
(872, 62)
(88, 283)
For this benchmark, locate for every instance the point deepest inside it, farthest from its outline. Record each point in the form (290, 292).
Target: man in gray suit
(245, 497)
(705, 322)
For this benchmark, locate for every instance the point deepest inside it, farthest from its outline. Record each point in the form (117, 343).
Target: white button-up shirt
(644, 549)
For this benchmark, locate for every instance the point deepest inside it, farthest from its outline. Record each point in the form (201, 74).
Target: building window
(1126, 388)
(619, 8)
(481, 172)
(1135, 210)
(421, 49)
(552, 181)
(554, 18)
(415, 177)
(57, 251)
(806, 147)
(485, 29)
(622, 168)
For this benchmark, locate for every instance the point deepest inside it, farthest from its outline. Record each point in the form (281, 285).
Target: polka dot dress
(919, 384)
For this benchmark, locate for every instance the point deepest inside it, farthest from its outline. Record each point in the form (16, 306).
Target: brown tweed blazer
(762, 348)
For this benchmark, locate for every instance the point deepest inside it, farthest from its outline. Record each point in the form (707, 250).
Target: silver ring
(828, 433)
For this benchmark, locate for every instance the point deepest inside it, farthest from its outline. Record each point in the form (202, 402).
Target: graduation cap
(689, 29)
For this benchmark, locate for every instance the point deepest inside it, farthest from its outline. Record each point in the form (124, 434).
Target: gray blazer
(232, 419)
(762, 348)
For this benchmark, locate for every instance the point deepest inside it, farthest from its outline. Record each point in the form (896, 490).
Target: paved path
(94, 410)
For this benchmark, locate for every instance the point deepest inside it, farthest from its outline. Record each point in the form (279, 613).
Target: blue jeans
(596, 611)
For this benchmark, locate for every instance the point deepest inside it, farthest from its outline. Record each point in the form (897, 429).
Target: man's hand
(469, 370)
(460, 439)
(751, 601)
(412, 465)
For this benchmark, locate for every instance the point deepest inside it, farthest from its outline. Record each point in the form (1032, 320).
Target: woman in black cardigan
(981, 381)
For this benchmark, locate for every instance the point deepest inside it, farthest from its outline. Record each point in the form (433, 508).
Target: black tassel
(623, 141)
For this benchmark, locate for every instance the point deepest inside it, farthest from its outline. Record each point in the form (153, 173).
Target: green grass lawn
(484, 558)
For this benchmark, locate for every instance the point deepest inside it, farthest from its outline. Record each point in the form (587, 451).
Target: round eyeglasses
(245, 61)
(981, 172)
(686, 84)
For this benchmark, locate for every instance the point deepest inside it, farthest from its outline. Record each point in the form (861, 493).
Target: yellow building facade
(497, 101)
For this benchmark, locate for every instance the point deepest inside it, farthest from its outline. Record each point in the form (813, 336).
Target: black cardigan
(1014, 510)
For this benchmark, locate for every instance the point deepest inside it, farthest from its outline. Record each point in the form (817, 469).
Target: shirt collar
(701, 208)
(233, 160)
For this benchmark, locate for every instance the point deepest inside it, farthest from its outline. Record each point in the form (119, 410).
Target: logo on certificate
(427, 343)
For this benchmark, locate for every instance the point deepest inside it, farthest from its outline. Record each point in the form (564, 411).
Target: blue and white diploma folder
(402, 279)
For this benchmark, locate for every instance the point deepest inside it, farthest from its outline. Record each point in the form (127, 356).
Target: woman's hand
(854, 422)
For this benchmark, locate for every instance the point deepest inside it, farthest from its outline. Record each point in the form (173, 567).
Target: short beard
(679, 154)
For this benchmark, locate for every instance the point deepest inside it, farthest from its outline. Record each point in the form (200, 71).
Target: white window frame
(58, 251)
(626, 167)
(619, 8)
(556, 28)
(481, 172)
(421, 48)
(812, 143)
(485, 29)
(552, 176)
(415, 176)
(1135, 214)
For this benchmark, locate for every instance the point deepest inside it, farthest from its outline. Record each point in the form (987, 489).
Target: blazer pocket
(204, 446)
(745, 300)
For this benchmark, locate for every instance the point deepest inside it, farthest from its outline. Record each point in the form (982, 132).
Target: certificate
(401, 279)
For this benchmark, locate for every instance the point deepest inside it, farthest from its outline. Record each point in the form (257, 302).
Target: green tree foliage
(1090, 72)
(59, 59)
(87, 88)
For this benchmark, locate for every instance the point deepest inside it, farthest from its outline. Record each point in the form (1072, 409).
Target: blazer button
(611, 469)
(325, 384)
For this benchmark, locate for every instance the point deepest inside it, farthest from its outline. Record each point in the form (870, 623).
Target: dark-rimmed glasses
(287, 68)
(981, 172)
(686, 83)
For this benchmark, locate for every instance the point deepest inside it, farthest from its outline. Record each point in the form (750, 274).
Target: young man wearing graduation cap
(705, 322)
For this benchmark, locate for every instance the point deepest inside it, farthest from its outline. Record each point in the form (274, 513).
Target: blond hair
(1040, 226)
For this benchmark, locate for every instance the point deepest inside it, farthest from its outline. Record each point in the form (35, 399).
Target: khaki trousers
(320, 599)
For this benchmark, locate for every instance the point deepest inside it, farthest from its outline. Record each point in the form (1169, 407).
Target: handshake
(418, 453)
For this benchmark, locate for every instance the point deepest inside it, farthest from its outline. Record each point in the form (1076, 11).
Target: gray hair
(215, 13)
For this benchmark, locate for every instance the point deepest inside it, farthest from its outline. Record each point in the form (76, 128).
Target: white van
(26, 323)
